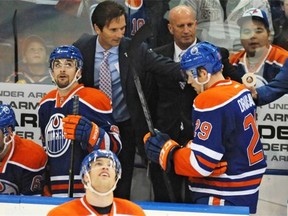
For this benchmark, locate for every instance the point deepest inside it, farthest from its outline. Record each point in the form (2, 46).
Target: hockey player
(100, 172)
(225, 137)
(93, 128)
(22, 161)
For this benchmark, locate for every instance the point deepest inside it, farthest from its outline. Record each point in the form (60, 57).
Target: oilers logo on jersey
(56, 144)
(8, 188)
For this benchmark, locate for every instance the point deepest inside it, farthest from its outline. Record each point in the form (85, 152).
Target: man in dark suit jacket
(174, 103)
(109, 23)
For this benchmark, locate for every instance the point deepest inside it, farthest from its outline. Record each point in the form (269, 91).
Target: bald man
(173, 105)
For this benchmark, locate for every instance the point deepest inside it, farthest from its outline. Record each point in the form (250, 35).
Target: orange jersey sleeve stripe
(205, 162)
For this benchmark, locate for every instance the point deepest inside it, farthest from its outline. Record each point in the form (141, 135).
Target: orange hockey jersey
(82, 207)
(22, 169)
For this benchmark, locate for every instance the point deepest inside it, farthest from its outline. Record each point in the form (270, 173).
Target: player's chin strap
(89, 187)
(10, 139)
(75, 79)
(203, 83)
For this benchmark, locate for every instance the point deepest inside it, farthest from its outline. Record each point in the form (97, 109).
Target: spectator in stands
(259, 56)
(22, 161)
(34, 65)
(174, 102)
(100, 172)
(225, 160)
(217, 20)
(281, 27)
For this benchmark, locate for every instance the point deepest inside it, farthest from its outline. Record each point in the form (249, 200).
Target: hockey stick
(75, 111)
(141, 35)
(14, 24)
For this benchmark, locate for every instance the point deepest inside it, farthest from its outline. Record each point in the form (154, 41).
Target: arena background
(62, 22)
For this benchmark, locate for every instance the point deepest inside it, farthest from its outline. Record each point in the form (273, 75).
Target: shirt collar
(100, 49)
(178, 51)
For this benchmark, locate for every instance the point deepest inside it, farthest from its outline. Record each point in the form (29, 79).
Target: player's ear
(10, 129)
(79, 73)
(85, 178)
(202, 72)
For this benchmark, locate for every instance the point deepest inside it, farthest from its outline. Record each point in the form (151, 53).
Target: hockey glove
(81, 129)
(220, 168)
(160, 149)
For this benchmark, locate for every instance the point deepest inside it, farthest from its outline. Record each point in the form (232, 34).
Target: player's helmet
(67, 52)
(7, 118)
(100, 153)
(202, 54)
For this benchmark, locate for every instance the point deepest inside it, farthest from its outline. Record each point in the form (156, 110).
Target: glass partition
(56, 22)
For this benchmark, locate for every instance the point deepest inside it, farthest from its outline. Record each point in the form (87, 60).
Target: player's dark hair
(105, 12)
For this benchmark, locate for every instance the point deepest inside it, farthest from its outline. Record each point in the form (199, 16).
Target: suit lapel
(170, 51)
(91, 58)
(124, 62)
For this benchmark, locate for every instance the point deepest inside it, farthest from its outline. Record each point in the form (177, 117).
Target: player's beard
(63, 84)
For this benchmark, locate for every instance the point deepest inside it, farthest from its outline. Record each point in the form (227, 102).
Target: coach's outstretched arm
(273, 90)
